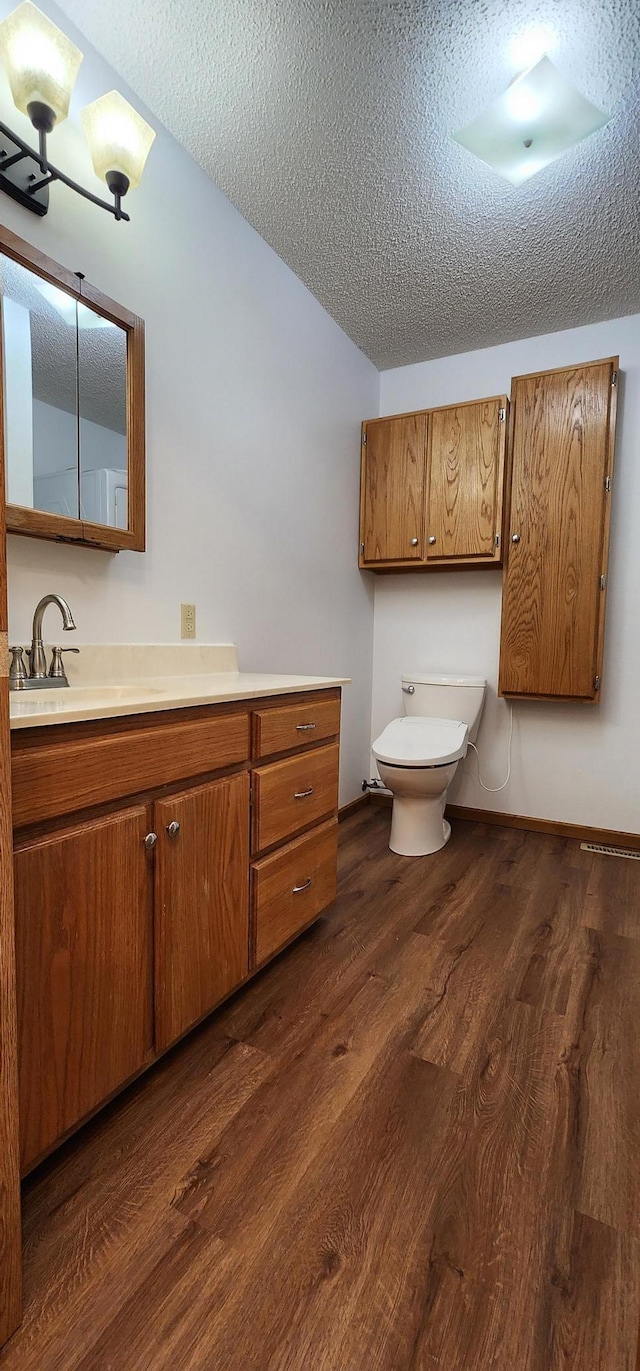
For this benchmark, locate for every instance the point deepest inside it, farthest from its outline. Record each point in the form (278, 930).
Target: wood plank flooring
(411, 1144)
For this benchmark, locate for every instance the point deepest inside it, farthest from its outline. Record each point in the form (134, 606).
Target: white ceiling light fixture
(537, 119)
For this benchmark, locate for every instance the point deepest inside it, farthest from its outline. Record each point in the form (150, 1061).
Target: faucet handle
(57, 666)
(17, 668)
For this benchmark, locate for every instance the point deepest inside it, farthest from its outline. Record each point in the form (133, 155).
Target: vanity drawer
(291, 794)
(290, 888)
(289, 726)
(71, 774)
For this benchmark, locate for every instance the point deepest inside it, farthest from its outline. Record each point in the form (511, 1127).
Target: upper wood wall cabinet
(73, 407)
(555, 581)
(432, 487)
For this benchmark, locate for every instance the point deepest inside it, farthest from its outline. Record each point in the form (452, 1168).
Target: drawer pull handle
(173, 828)
(302, 794)
(302, 728)
(305, 886)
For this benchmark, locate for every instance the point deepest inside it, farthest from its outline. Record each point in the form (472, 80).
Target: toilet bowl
(418, 754)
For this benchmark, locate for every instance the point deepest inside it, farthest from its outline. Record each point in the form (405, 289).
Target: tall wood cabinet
(432, 487)
(555, 579)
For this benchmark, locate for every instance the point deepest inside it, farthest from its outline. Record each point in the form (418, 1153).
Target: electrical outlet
(187, 621)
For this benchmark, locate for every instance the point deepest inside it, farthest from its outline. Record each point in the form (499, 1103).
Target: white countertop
(34, 708)
(109, 683)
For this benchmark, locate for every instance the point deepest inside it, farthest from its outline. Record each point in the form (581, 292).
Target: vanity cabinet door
(394, 453)
(84, 964)
(202, 902)
(466, 468)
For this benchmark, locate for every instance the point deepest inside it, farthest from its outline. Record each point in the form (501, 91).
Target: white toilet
(417, 756)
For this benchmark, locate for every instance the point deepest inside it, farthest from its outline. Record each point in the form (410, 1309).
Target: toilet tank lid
(430, 678)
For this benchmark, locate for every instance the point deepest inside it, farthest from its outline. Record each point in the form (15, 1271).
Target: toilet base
(418, 826)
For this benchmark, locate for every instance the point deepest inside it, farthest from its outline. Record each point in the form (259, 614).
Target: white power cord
(493, 789)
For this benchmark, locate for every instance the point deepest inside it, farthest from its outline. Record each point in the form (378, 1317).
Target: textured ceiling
(328, 124)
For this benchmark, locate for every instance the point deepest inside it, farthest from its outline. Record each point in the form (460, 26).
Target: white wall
(576, 763)
(255, 398)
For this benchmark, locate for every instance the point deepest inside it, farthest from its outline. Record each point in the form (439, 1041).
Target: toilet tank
(445, 697)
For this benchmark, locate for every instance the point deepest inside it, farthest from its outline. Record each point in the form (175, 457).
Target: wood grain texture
(291, 888)
(286, 727)
(393, 487)
(84, 965)
(201, 903)
(10, 1236)
(58, 528)
(467, 446)
(552, 599)
(71, 772)
(292, 794)
(297, 1186)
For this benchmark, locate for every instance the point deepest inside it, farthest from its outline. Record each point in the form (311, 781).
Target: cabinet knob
(151, 840)
(173, 828)
(432, 539)
(414, 542)
(515, 537)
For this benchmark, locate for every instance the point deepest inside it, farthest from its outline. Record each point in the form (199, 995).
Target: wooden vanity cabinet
(432, 487)
(144, 893)
(84, 959)
(554, 595)
(201, 902)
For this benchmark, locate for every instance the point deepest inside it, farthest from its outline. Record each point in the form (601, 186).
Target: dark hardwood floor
(412, 1144)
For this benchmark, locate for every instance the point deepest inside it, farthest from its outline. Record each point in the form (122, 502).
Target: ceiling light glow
(538, 118)
(527, 48)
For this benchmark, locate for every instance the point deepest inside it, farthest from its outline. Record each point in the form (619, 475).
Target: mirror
(102, 418)
(39, 351)
(73, 402)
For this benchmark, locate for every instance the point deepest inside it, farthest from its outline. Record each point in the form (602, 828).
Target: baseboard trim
(352, 807)
(581, 832)
(611, 837)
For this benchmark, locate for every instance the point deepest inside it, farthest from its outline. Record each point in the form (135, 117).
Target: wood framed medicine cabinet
(72, 418)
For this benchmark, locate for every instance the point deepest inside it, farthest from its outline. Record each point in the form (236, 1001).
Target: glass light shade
(538, 118)
(41, 62)
(118, 137)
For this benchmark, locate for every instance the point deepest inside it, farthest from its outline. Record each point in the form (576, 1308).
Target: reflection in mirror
(40, 392)
(102, 409)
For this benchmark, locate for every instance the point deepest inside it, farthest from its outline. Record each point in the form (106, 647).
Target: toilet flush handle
(409, 690)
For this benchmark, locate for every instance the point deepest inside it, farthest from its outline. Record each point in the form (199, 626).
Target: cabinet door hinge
(596, 682)
(364, 440)
(502, 414)
(603, 582)
(614, 378)
(607, 483)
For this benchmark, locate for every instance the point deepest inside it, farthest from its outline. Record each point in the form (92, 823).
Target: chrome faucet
(37, 655)
(36, 677)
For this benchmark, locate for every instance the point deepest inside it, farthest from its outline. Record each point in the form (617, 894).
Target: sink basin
(69, 698)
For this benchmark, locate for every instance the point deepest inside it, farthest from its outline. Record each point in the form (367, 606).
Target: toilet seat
(415, 742)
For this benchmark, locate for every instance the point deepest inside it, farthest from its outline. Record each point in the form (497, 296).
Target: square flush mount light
(539, 117)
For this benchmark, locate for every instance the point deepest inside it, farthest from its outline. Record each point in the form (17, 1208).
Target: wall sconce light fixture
(42, 65)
